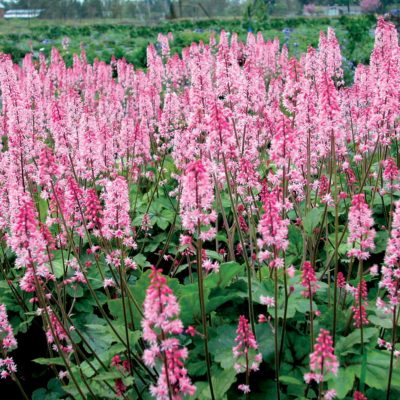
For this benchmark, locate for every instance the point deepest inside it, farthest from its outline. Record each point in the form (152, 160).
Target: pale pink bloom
(361, 233)
(330, 394)
(161, 312)
(291, 271)
(116, 221)
(374, 270)
(210, 266)
(244, 388)
(197, 197)
(246, 348)
(108, 282)
(267, 301)
(272, 228)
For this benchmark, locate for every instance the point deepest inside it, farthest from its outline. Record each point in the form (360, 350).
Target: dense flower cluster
(245, 352)
(197, 198)
(160, 321)
(7, 343)
(361, 233)
(309, 280)
(360, 304)
(232, 154)
(323, 359)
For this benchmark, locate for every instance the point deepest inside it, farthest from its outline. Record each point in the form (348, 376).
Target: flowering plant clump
(8, 343)
(323, 359)
(222, 224)
(160, 307)
(245, 352)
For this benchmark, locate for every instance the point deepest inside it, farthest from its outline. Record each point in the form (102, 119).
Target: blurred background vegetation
(124, 28)
(153, 10)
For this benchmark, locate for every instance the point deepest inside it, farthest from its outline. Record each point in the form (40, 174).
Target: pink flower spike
(323, 359)
(160, 323)
(245, 352)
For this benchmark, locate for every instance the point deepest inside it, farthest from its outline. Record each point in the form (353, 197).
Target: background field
(102, 39)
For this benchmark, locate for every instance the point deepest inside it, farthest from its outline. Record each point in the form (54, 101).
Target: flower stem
(203, 312)
(394, 337)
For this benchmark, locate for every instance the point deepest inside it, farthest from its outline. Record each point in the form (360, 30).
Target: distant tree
(310, 8)
(92, 9)
(259, 9)
(370, 6)
(114, 8)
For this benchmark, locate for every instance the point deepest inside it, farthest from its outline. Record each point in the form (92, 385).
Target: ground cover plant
(224, 224)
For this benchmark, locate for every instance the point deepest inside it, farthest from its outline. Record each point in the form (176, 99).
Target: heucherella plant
(160, 322)
(149, 216)
(8, 343)
(322, 362)
(247, 358)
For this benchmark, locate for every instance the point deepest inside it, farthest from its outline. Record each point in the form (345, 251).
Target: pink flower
(244, 388)
(210, 266)
(116, 220)
(309, 279)
(93, 210)
(341, 280)
(262, 319)
(361, 233)
(245, 352)
(359, 396)
(108, 282)
(291, 271)
(7, 343)
(161, 311)
(272, 228)
(323, 359)
(190, 330)
(359, 308)
(330, 394)
(392, 255)
(160, 307)
(7, 339)
(267, 301)
(374, 270)
(197, 197)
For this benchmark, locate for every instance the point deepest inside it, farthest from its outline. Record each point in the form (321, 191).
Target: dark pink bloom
(309, 279)
(323, 359)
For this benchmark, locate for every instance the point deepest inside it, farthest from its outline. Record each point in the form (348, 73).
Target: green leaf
(294, 252)
(380, 318)
(60, 256)
(343, 382)
(224, 276)
(221, 343)
(49, 361)
(222, 381)
(289, 380)
(312, 220)
(54, 391)
(265, 339)
(381, 239)
(377, 367)
(347, 345)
